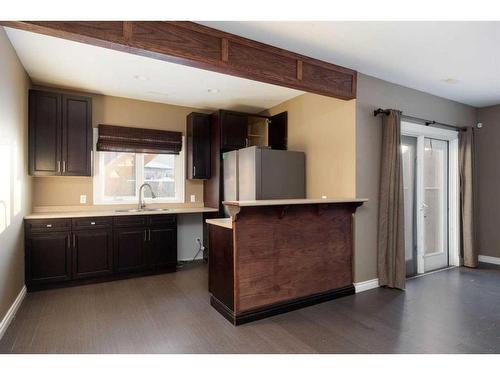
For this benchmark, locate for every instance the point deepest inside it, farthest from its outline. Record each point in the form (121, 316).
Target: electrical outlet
(83, 199)
(193, 198)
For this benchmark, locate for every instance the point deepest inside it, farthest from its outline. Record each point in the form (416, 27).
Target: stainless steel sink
(132, 210)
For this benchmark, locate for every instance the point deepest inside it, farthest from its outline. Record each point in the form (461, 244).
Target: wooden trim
(127, 30)
(11, 312)
(299, 70)
(279, 308)
(225, 50)
(202, 47)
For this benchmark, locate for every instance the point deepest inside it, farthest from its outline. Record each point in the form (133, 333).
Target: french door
(430, 168)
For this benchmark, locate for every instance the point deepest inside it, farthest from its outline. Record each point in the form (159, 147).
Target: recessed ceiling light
(450, 81)
(141, 78)
(213, 91)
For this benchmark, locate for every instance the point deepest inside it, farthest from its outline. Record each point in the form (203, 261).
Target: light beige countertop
(92, 213)
(225, 222)
(278, 202)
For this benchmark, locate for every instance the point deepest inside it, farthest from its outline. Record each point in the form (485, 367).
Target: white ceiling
(65, 64)
(420, 55)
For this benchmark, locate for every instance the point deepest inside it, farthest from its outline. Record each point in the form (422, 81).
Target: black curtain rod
(381, 111)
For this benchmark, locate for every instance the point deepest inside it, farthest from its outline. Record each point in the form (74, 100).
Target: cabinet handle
(145, 238)
(74, 241)
(246, 142)
(68, 242)
(92, 223)
(49, 225)
(64, 166)
(194, 170)
(58, 166)
(149, 234)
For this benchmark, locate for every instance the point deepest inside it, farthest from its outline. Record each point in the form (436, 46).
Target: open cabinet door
(278, 131)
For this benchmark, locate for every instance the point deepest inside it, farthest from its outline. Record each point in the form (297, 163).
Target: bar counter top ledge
(274, 256)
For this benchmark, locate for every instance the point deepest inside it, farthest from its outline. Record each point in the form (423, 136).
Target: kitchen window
(118, 176)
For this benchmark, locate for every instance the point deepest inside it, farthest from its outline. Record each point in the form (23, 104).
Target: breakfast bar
(273, 256)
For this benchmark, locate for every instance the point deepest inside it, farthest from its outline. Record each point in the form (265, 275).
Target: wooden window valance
(125, 139)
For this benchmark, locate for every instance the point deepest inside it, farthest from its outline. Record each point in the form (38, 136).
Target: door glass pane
(119, 175)
(159, 172)
(435, 199)
(409, 149)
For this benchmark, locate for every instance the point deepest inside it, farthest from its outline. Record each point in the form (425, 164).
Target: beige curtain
(391, 246)
(466, 160)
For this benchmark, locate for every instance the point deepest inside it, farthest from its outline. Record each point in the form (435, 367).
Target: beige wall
(488, 181)
(374, 93)
(325, 129)
(15, 185)
(65, 191)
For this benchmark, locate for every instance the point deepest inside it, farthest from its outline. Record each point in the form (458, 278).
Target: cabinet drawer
(91, 222)
(162, 220)
(47, 225)
(130, 221)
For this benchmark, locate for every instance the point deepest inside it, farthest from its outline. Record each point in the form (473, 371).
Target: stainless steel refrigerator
(254, 173)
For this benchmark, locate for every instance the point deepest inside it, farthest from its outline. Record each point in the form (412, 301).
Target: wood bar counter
(274, 256)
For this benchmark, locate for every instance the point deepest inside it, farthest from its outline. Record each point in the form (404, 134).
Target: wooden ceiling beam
(202, 47)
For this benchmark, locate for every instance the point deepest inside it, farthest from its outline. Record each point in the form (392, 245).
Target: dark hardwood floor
(452, 311)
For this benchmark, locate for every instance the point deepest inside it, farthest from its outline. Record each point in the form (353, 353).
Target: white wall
(189, 228)
(15, 185)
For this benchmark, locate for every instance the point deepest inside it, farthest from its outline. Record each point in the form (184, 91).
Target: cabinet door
(278, 131)
(92, 253)
(234, 130)
(77, 135)
(44, 133)
(198, 132)
(129, 249)
(48, 257)
(162, 242)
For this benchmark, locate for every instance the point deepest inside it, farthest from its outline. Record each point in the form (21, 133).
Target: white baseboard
(488, 259)
(11, 313)
(366, 285)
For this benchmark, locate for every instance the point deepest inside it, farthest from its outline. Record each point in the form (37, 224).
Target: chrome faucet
(142, 204)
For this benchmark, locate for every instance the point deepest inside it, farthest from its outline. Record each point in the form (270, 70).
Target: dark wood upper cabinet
(198, 146)
(278, 131)
(77, 135)
(45, 133)
(233, 130)
(60, 134)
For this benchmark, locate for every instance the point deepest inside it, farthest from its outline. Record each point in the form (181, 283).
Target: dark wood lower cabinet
(65, 252)
(130, 254)
(92, 253)
(162, 247)
(48, 258)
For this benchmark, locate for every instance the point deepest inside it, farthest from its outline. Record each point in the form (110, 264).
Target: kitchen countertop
(225, 222)
(278, 202)
(91, 213)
